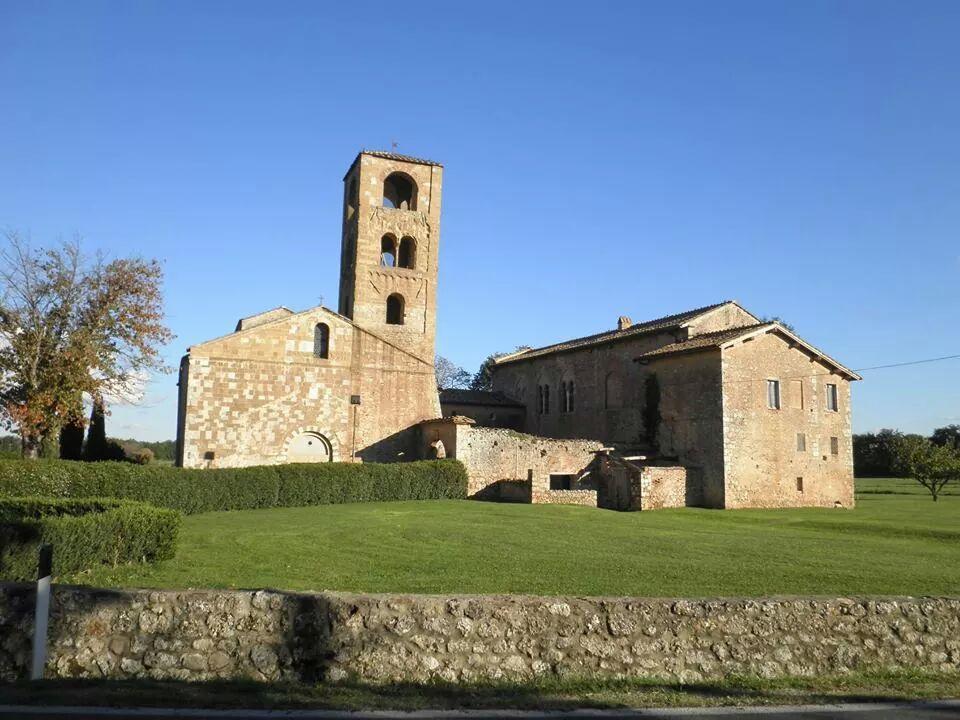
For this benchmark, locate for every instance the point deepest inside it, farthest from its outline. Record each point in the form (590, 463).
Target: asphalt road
(942, 710)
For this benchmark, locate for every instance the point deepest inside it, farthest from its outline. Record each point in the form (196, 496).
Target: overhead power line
(911, 362)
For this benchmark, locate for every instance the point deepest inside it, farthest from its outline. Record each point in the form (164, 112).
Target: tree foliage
(483, 378)
(874, 454)
(72, 325)
(949, 436)
(933, 466)
(449, 375)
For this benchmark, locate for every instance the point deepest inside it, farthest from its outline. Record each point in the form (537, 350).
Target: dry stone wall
(201, 635)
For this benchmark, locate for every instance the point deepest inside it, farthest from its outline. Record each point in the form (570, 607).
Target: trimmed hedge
(84, 533)
(195, 491)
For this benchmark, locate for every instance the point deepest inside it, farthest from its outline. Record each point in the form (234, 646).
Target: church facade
(321, 385)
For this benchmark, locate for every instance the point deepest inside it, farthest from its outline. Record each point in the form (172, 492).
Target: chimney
(623, 322)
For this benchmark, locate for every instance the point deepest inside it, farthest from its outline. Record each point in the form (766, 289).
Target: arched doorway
(309, 447)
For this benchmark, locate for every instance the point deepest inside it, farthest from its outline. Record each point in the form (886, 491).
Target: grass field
(896, 541)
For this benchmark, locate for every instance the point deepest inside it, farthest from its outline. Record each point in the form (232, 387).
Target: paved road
(944, 710)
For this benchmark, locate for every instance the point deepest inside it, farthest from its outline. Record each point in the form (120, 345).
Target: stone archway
(309, 447)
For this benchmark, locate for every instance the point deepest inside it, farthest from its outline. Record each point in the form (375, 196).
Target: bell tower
(389, 248)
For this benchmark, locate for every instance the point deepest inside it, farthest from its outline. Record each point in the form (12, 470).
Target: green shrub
(84, 532)
(195, 491)
(322, 484)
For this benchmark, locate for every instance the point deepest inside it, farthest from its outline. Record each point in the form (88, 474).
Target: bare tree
(450, 375)
(69, 326)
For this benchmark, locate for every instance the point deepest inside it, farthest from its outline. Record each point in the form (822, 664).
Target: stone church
(712, 406)
(321, 385)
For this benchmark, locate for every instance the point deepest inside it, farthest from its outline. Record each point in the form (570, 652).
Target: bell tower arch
(389, 249)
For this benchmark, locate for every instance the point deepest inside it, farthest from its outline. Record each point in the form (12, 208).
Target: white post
(42, 614)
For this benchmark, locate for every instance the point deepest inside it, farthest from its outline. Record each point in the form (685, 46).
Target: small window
(801, 442)
(407, 255)
(395, 309)
(773, 394)
(796, 394)
(321, 341)
(833, 402)
(799, 484)
(561, 482)
(834, 446)
(613, 391)
(400, 192)
(546, 399)
(388, 251)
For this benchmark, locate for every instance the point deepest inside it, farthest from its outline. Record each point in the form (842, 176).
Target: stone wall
(763, 461)
(627, 485)
(202, 635)
(587, 498)
(495, 455)
(245, 397)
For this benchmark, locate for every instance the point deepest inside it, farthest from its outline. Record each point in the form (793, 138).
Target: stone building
(707, 407)
(322, 385)
(756, 416)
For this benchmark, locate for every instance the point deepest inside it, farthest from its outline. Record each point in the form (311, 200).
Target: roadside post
(42, 614)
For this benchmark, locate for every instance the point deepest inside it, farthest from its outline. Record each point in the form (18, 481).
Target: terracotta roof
(657, 325)
(704, 341)
(456, 396)
(720, 338)
(401, 158)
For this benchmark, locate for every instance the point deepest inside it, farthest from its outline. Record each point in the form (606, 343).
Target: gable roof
(397, 156)
(456, 396)
(661, 324)
(723, 339)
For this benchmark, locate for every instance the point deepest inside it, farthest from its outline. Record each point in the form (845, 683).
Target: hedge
(195, 491)
(84, 533)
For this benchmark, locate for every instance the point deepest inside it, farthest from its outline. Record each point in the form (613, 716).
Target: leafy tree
(450, 375)
(933, 466)
(483, 379)
(778, 319)
(949, 436)
(69, 326)
(873, 454)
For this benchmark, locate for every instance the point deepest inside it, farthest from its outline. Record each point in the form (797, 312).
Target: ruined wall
(762, 460)
(248, 394)
(269, 636)
(494, 455)
(501, 416)
(626, 485)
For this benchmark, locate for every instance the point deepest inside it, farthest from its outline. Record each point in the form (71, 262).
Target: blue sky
(601, 159)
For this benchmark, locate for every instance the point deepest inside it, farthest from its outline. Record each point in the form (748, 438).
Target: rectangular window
(796, 394)
(561, 482)
(801, 442)
(834, 446)
(799, 484)
(773, 394)
(832, 400)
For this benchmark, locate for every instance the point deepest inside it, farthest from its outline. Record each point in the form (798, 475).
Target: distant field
(897, 541)
(899, 486)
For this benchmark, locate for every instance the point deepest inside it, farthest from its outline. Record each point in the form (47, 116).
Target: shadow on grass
(552, 694)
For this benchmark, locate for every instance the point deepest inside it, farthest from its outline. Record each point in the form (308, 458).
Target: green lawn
(896, 541)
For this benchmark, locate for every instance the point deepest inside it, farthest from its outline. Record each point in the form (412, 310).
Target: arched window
(395, 309)
(612, 391)
(309, 447)
(388, 251)
(321, 341)
(407, 257)
(400, 192)
(352, 198)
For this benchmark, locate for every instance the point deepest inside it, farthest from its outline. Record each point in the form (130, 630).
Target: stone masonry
(267, 636)
(741, 404)
(320, 385)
